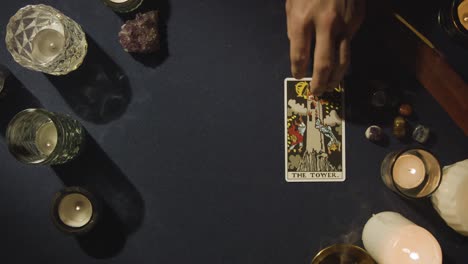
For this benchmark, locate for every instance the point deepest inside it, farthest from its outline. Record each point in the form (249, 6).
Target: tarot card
(314, 133)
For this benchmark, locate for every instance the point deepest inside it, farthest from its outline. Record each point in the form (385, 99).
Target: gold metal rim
(360, 252)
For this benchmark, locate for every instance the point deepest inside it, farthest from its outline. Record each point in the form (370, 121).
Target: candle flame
(412, 171)
(77, 208)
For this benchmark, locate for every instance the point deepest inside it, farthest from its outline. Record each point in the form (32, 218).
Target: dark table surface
(189, 158)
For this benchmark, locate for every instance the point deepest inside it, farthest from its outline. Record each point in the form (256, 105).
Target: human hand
(333, 23)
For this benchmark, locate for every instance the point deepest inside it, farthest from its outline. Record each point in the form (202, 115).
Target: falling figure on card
(296, 134)
(326, 130)
(318, 136)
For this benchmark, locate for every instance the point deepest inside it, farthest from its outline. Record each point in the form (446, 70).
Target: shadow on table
(122, 204)
(163, 6)
(382, 67)
(13, 99)
(98, 91)
(359, 91)
(425, 209)
(372, 70)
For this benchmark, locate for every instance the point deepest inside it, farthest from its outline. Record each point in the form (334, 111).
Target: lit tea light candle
(391, 238)
(408, 171)
(462, 12)
(41, 38)
(412, 173)
(47, 44)
(46, 138)
(75, 210)
(37, 136)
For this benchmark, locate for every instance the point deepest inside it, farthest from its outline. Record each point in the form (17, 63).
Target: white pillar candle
(408, 171)
(451, 199)
(46, 138)
(392, 239)
(119, 1)
(47, 44)
(75, 210)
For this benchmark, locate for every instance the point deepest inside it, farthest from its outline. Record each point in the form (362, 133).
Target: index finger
(300, 39)
(324, 60)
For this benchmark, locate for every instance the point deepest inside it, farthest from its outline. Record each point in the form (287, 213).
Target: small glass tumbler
(36, 136)
(412, 173)
(43, 39)
(343, 254)
(123, 6)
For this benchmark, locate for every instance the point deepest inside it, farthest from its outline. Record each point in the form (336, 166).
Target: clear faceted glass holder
(37, 136)
(41, 38)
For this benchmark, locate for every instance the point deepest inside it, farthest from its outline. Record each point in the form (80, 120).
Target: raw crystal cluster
(141, 35)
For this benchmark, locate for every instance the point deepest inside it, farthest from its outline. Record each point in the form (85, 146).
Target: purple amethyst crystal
(141, 35)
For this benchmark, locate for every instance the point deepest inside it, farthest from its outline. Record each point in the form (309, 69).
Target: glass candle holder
(4, 72)
(75, 210)
(43, 39)
(123, 6)
(412, 173)
(343, 254)
(453, 18)
(36, 136)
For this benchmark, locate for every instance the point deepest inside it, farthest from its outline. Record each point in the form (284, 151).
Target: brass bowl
(343, 254)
